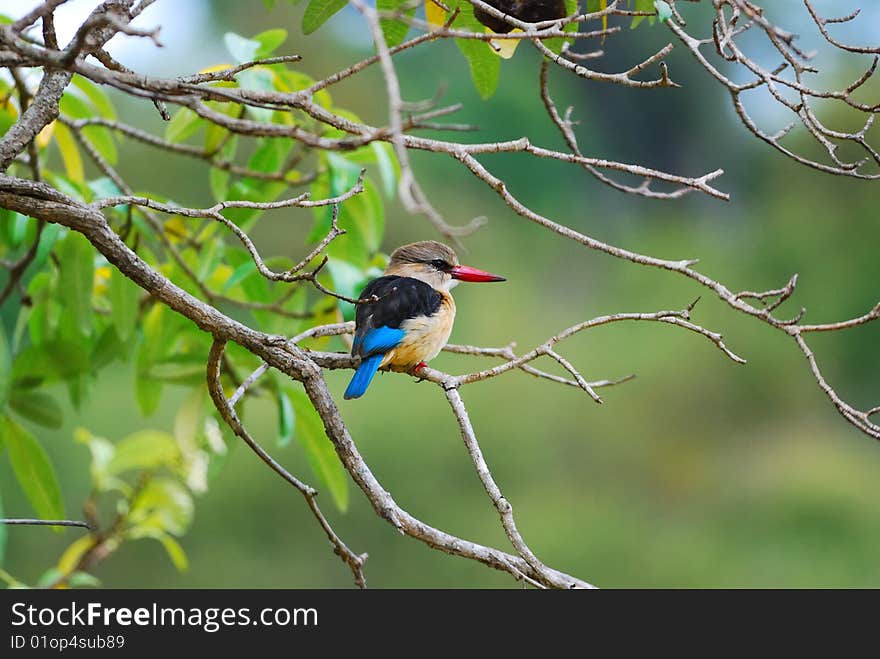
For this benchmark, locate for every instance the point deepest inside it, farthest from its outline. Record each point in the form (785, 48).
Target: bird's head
(435, 264)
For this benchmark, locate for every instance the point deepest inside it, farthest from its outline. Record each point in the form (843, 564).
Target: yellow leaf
(45, 135)
(219, 276)
(69, 153)
(604, 5)
(9, 106)
(177, 229)
(71, 556)
(102, 276)
(504, 48)
(435, 14)
(216, 67)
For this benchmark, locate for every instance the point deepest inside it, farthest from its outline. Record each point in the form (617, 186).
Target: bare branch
(214, 213)
(545, 576)
(315, 127)
(40, 11)
(42, 201)
(794, 60)
(230, 73)
(44, 522)
(822, 22)
(354, 561)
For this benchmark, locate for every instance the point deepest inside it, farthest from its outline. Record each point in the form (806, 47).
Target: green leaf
(77, 190)
(152, 348)
(269, 156)
(288, 80)
(75, 106)
(664, 11)
(571, 7)
(177, 372)
(286, 419)
(54, 359)
(343, 175)
(188, 428)
(598, 5)
(7, 119)
(642, 5)
(240, 273)
(218, 179)
(363, 219)
(389, 169)
(2, 526)
(106, 349)
(258, 79)
(183, 125)
(5, 368)
(172, 547)
(250, 190)
(348, 280)
(371, 216)
(83, 580)
(162, 505)
(77, 259)
(69, 153)
(51, 233)
(16, 225)
(242, 49)
(393, 29)
(319, 12)
(124, 297)
(49, 577)
(102, 451)
(101, 138)
(189, 414)
(33, 470)
(104, 187)
(148, 394)
(96, 95)
(319, 450)
(144, 449)
(37, 406)
(214, 136)
(484, 64)
(175, 552)
(269, 41)
(74, 552)
(71, 338)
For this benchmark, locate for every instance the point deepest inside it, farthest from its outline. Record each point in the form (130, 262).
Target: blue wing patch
(372, 346)
(379, 340)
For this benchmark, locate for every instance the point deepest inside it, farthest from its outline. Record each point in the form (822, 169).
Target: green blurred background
(698, 473)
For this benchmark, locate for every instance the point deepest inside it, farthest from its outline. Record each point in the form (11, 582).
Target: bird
(404, 318)
(528, 11)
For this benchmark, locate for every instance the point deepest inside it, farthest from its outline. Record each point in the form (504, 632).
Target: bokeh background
(698, 473)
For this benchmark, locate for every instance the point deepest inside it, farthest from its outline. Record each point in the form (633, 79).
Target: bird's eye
(440, 264)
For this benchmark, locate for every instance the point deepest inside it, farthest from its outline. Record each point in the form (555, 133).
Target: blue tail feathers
(363, 376)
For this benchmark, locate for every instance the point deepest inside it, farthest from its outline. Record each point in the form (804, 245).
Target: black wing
(530, 11)
(535, 11)
(399, 298)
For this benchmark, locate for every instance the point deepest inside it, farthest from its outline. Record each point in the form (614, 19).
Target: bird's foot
(414, 371)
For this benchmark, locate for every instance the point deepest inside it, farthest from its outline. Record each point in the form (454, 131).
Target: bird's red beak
(466, 273)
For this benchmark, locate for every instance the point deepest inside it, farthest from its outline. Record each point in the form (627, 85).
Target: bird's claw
(415, 371)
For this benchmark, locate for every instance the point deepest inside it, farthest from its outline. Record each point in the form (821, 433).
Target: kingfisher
(405, 316)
